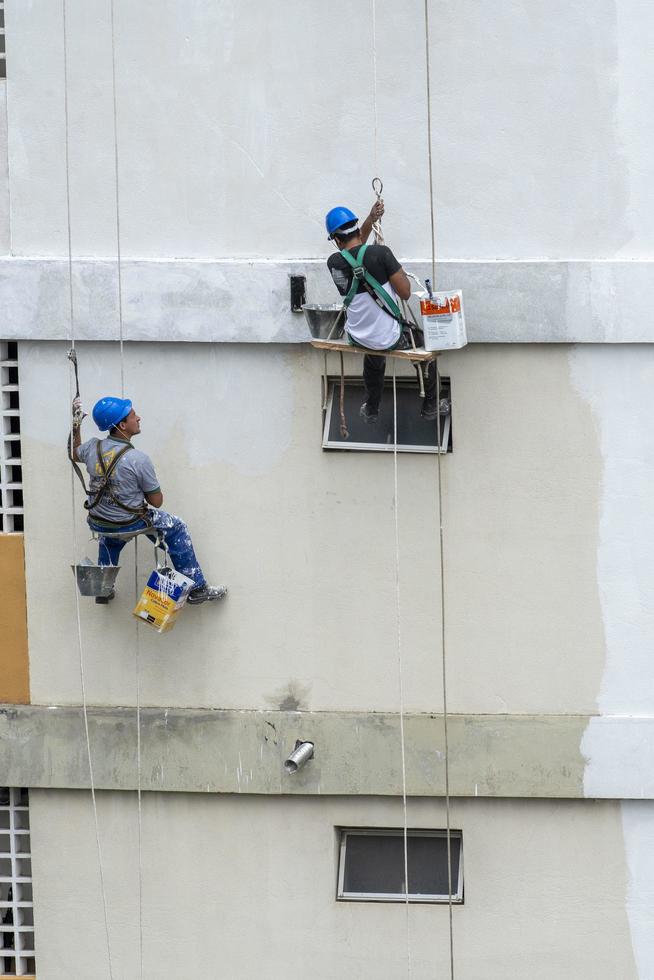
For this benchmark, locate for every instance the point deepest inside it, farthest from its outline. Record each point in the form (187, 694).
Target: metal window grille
(372, 868)
(16, 904)
(11, 471)
(414, 434)
(3, 53)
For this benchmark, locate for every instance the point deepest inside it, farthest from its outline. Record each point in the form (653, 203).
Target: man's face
(131, 425)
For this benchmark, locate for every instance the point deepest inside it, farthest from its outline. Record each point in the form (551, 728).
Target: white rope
(398, 619)
(444, 682)
(376, 227)
(117, 195)
(136, 565)
(429, 153)
(440, 508)
(73, 514)
(138, 758)
(374, 83)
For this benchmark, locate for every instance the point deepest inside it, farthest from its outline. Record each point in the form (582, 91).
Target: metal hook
(377, 180)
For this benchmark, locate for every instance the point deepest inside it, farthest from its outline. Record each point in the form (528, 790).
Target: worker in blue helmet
(373, 316)
(124, 493)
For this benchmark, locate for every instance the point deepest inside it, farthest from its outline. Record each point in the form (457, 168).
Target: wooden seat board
(419, 354)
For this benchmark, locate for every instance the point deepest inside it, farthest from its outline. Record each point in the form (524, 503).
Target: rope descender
(72, 356)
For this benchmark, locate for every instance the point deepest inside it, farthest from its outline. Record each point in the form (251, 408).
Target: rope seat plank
(343, 347)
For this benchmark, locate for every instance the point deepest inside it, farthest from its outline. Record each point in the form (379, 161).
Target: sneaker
(433, 407)
(206, 593)
(368, 414)
(102, 600)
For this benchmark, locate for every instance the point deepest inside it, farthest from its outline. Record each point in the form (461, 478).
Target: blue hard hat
(109, 411)
(337, 217)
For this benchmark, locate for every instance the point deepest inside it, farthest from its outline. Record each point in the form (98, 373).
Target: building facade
(186, 202)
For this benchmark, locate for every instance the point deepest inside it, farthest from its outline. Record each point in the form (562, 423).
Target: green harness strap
(361, 274)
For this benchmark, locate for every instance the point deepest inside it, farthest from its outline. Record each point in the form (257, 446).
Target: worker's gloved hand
(377, 210)
(78, 413)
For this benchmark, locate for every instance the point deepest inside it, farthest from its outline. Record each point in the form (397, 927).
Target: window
(11, 473)
(3, 56)
(414, 434)
(16, 905)
(371, 866)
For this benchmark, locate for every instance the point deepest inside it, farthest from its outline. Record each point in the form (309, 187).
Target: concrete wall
(5, 237)
(305, 539)
(246, 888)
(236, 135)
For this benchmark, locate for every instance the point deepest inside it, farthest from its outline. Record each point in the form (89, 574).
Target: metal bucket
(321, 320)
(95, 580)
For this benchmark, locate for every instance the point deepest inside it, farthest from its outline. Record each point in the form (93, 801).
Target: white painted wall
(244, 887)
(617, 385)
(238, 126)
(305, 539)
(5, 240)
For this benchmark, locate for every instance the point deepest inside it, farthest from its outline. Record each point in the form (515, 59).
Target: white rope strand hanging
(377, 229)
(379, 240)
(119, 264)
(400, 676)
(374, 84)
(80, 644)
(117, 197)
(137, 650)
(440, 506)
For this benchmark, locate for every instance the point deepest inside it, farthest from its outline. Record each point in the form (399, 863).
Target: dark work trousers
(374, 367)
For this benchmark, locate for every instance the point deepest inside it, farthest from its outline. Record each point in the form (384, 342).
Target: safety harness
(361, 275)
(104, 490)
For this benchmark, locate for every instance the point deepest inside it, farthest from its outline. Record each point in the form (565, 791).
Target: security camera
(301, 754)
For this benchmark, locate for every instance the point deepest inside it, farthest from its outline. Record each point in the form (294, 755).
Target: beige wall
(305, 539)
(244, 888)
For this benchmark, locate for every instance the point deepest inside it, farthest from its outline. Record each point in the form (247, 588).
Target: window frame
(414, 899)
(331, 405)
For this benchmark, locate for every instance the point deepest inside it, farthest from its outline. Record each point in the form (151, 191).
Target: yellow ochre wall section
(14, 666)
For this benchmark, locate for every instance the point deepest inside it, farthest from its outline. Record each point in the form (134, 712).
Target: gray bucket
(95, 580)
(321, 320)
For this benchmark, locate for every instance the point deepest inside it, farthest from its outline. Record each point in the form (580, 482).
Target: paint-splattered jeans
(176, 536)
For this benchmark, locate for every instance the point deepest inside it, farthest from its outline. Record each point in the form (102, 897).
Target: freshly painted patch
(618, 745)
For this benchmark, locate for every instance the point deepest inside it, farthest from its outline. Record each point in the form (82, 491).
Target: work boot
(102, 600)
(368, 413)
(206, 593)
(433, 407)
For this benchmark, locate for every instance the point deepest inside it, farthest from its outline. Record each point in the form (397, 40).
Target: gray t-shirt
(134, 476)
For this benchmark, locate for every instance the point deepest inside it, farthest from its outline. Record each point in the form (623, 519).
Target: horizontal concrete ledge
(231, 301)
(205, 751)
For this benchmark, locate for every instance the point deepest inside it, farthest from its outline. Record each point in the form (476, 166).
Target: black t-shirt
(377, 259)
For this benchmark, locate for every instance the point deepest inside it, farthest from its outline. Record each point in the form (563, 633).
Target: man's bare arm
(78, 418)
(155, 498)
(401, 284)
